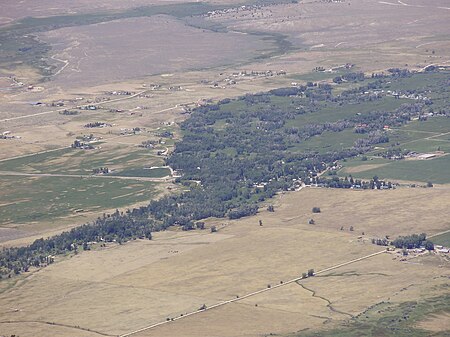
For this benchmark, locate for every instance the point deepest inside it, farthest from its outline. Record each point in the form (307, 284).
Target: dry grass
(377, 213)
(121, 288)
(160, 44)
(436, 322)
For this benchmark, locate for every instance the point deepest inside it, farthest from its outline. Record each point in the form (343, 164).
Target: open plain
(118, 289)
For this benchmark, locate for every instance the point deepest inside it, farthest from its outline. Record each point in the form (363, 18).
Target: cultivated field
(430, 136)
(118, 289)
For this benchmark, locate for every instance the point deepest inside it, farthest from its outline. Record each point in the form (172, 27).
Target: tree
(260, 222)
(311, 221)
(271, 208)
(304, 275)
(316, 209)
(310, 272)
(213, 229)
(429, 245)
(429, 184)
(351, 229)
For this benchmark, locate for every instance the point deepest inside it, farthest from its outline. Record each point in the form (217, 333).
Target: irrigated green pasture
(442, 239)
(420, 136)
(119, 158)
(25, 200)
(433, 170)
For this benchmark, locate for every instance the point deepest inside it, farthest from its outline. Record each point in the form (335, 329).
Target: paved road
(249, 295)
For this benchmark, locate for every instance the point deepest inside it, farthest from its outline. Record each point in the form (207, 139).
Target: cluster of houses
(85, 142)
(101, 170)
(399, 94)
(88, 107)
(441, 249)
(231, 79)
(120, 93)
(82, 145)
(152, 86)
(132, 131)
(244, 8)
(415, 252)
(253, 73)
(97, 125)
(423, 156)
(8, 135)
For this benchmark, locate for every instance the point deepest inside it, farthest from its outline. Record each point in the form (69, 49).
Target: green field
(328, 141)
(76, 161)
(30, 199)
(433, 170)
(331, 112)
(422, 137)
(158, 172)
(443, 240)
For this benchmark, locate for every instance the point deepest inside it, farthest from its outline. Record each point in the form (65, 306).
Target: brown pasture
(130, 48)
(118, 289)
(436, 322)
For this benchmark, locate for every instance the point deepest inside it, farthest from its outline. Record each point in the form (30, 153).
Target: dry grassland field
(142, 46)
(121, 77)
(118, 289)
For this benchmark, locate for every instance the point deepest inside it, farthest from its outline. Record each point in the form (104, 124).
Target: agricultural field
(116, 289)
(442, 239)
(434, 171)
(119, 158)
(48, 203)
(415, 136)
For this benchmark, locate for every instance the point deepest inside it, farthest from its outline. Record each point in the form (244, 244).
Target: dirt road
(249, 295)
